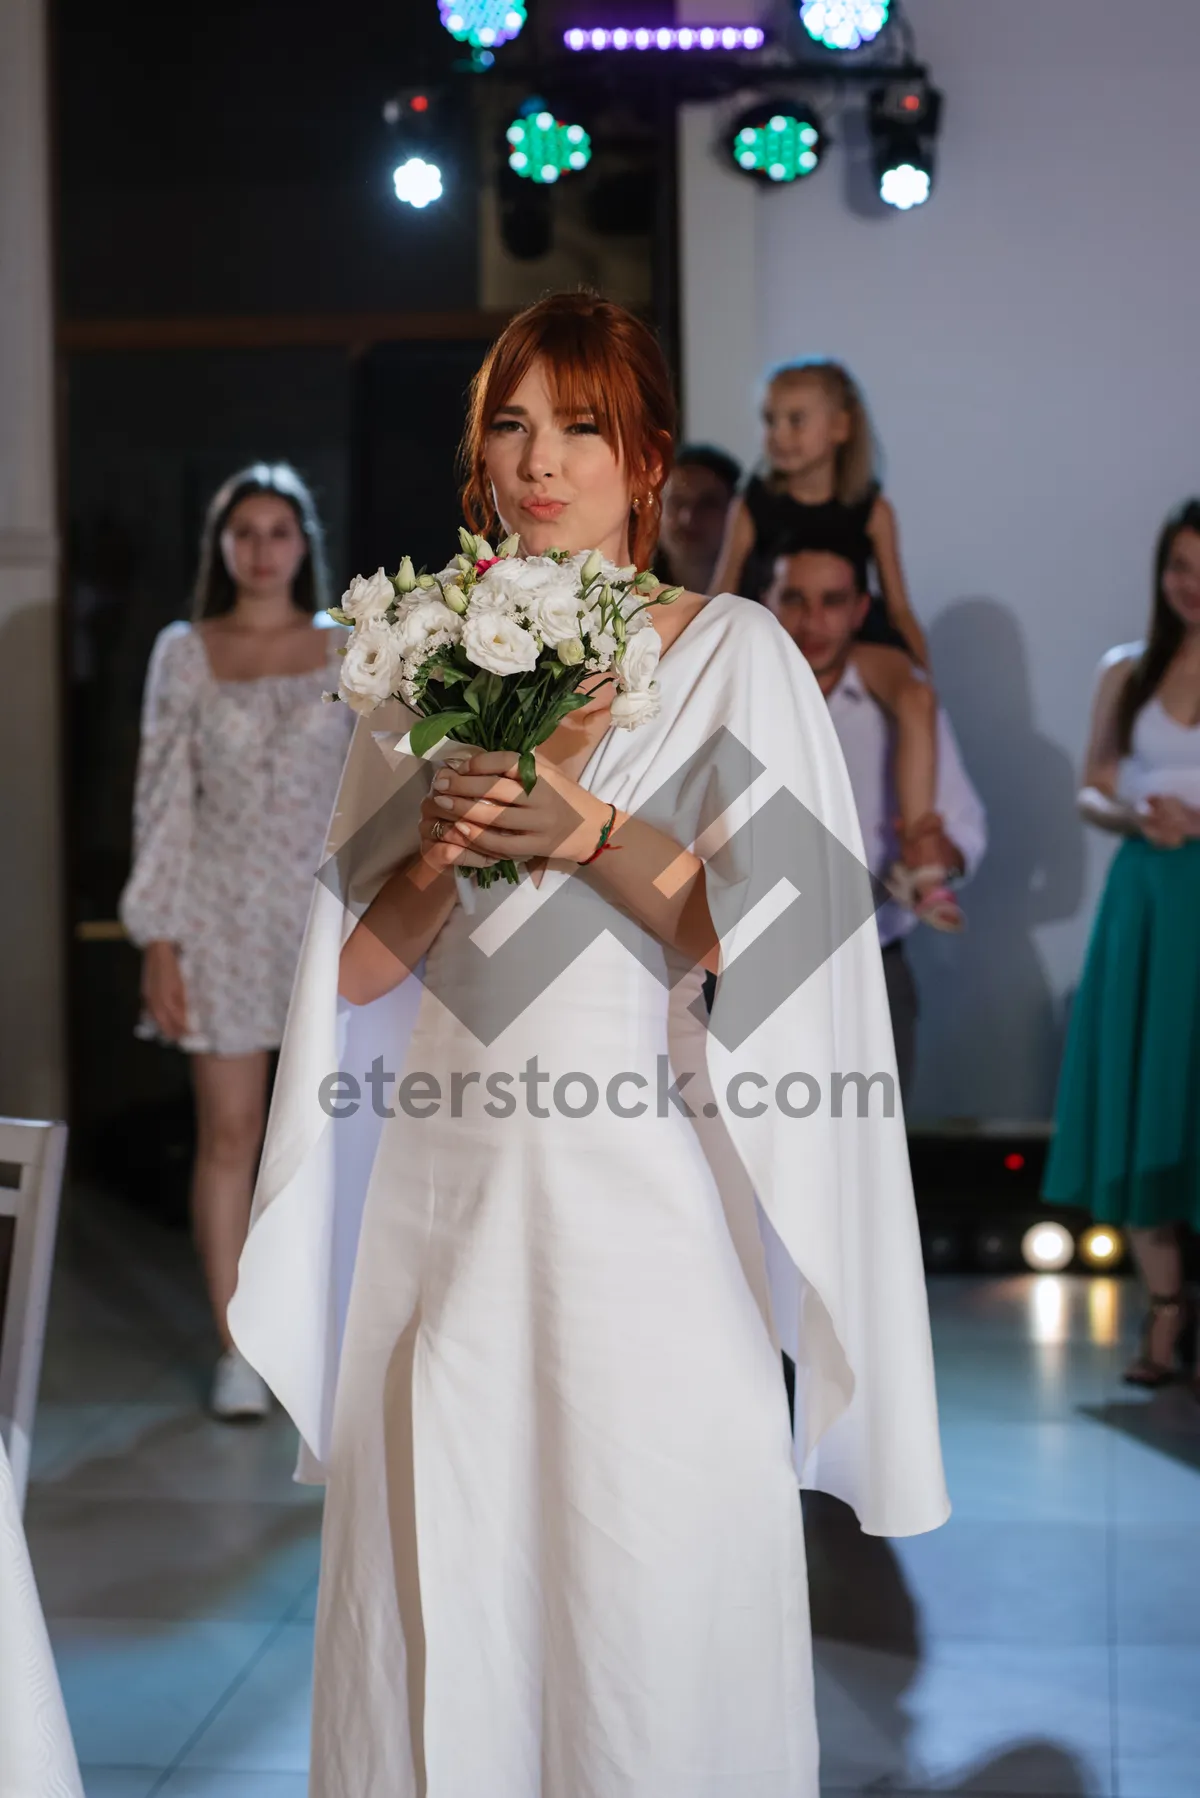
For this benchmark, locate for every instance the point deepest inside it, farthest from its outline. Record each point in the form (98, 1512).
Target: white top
(235, 784)
(866, 735)
(1164, 759)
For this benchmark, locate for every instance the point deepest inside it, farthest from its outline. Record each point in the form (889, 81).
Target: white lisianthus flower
(628, 710)
(371, 666)
(423, 625)
(499, 644)
(405, 580)
(636, 664)
(602, 643)
(554, 615)
(497, 591)
(587, 564)
(368, 597)
(635, 611)
(523, 583)
(570, 652)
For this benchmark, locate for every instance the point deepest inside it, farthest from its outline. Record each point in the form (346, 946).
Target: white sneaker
(237, 1391)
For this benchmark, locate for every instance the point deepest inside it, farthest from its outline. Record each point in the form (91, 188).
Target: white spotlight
(1048, 1247)
(904, 187)
(417, 182)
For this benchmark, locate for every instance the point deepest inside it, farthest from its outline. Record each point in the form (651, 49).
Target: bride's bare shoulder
(671, 620)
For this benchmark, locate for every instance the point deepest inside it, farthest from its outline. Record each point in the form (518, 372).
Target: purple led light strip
(667, 37)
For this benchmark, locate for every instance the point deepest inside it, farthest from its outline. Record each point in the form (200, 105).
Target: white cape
(836, 1204)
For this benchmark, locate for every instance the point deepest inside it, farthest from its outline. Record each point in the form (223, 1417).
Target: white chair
(31, 1170)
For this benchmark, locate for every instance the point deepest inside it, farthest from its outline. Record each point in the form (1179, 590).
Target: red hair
(600, 359)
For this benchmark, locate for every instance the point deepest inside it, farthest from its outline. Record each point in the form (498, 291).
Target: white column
(32, 1074)
(719, 294)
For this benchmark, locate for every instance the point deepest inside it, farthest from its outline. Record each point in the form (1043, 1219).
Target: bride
(531, 1339)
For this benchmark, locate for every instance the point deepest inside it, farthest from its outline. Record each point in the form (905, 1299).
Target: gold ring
(438, 830)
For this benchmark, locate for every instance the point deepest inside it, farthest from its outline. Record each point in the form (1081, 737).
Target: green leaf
(528, 768)
(428, 731)
(545, 729)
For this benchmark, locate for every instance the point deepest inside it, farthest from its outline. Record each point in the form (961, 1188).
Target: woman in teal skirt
(1126, 1145)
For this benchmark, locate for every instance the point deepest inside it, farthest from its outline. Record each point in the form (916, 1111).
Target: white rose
(499, 644)
(638, 660)
(370, 666)
(423, 624)
(628, 710)
(554, 615)
(368, 599)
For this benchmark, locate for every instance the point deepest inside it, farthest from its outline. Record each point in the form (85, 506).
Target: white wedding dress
(37, 1757)
(537, 1358)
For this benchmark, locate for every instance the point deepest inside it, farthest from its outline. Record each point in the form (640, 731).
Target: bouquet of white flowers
(494, 649)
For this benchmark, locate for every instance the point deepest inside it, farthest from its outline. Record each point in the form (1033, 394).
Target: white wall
(1029, 346)
(32, 1075)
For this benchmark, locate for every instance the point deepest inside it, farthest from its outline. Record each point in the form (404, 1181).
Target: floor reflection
(1046, 1641)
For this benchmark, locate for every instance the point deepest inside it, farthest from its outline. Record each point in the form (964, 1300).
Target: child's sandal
(938, 907)
(926, 893)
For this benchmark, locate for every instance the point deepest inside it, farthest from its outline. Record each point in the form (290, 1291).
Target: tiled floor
(1047, 1641)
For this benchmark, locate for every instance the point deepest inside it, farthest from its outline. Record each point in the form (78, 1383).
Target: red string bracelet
(604, 843)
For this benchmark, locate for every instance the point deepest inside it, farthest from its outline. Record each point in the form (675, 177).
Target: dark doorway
(410, 402)
(150, 433)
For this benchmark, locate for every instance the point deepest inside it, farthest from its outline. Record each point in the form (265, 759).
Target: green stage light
(482, 23)
(777, 142)
(541, 148)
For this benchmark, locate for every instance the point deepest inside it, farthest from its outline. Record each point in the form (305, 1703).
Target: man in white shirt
(821, 598)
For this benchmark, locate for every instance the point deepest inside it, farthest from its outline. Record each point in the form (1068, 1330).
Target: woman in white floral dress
(237, 774)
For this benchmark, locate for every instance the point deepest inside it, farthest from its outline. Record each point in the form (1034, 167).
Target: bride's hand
(440, 850)
(445, 851)
(1165, 821)
(487, 812)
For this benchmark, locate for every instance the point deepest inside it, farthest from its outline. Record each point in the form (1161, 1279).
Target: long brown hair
(600, 358)
(215, 592)
(1165, 633)
(858, 458)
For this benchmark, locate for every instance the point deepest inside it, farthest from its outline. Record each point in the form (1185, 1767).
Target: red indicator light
(420, 103)
(911, 102)
(1014, 1163)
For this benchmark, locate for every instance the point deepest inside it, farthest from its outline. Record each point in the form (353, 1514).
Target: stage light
(995, 1248)
(541, 147)
(941, 1248)
(1102, 1246)
(903, 120)
(1048, 1247)
(417, 182)
(777, 141)
(482, 23)
(844, 24)
(666, 37)
(904, 186)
